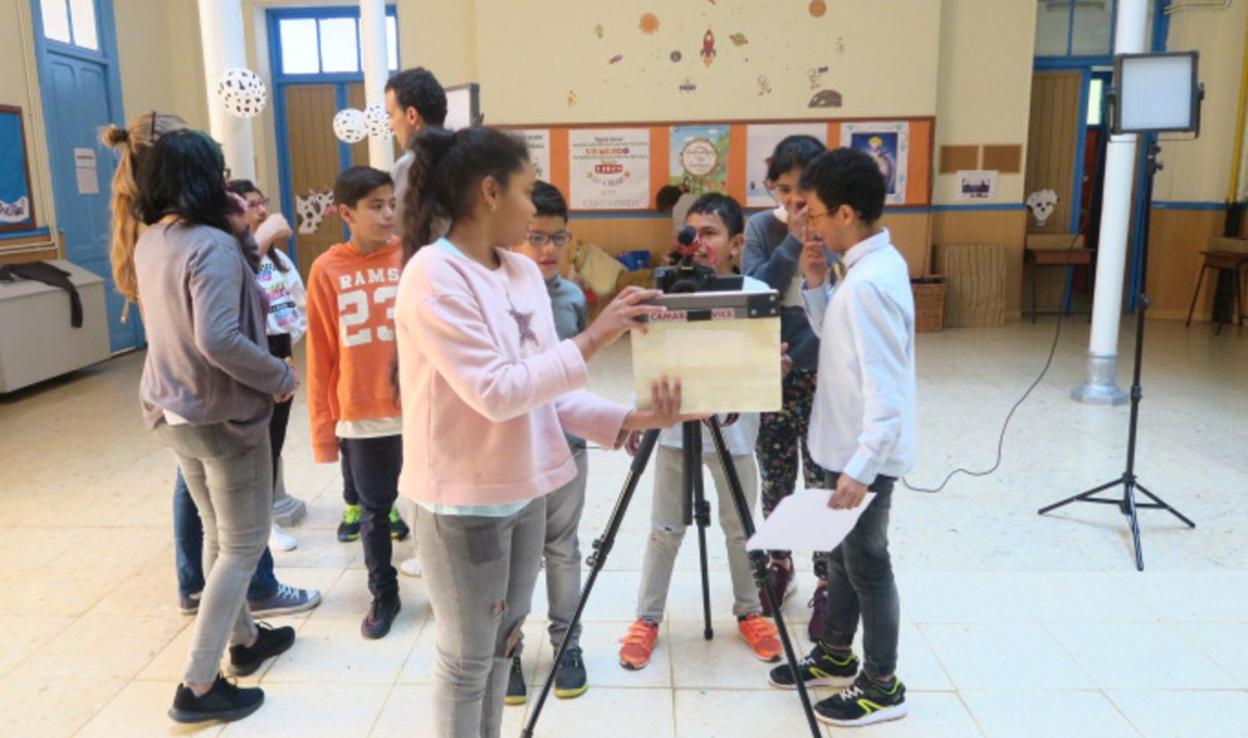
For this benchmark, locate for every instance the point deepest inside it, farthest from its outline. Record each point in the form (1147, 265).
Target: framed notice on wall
(17, 201)
(609, 168)
(889, 144)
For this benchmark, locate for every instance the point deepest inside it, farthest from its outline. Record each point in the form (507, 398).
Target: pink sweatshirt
(488, 389)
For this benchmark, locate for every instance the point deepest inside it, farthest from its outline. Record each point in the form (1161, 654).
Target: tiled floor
(1012, 624)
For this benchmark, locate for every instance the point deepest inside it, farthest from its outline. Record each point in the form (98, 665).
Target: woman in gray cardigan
(207, 391)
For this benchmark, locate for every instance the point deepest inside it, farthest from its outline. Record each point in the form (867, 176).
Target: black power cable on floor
(1057, 334)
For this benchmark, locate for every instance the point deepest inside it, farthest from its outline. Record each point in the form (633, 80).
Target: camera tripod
(696, 509)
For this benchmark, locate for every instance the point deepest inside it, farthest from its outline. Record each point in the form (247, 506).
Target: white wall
(984, 85)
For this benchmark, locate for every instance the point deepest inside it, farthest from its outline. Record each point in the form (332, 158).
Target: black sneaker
(349, 528)
(380, 616)
(864, 703)
(286, 600)
(398, 529)
(225, 701)
(270, 641)
(188, 604)
(517, 692)
(571, 680)
(819, 669)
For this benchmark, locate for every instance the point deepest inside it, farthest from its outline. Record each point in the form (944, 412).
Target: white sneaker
(411, 567)
(280, 540)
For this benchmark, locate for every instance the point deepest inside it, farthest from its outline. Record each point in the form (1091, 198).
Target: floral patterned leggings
(780, 437)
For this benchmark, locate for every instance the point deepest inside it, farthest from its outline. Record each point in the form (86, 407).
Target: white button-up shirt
(863, 421)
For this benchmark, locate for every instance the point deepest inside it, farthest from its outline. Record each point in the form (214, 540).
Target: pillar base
(1101, 387)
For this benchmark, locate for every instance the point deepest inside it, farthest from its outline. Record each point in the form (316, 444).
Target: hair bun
(114, 136)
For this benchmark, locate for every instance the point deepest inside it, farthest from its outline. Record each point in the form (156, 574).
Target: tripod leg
(700, 511)
(602, 548)
(759, 561)
(1165, 505)
(1080, 496)
(1128, 497)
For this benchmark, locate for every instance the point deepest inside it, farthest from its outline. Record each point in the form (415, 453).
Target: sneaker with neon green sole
(866, 702)
(398, 529)
(349, 528)
(819, 669)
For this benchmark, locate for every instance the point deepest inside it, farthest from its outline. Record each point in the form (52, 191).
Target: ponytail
(130, 143)
(444, 176)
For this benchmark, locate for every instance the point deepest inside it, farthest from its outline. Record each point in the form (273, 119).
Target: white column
(221, 32)
(375, 57)
(1111, 259)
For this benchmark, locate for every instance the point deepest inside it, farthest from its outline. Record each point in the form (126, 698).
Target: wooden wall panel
(314, 162)
(911, 234)
(1006, 227)
(1176, 238)
(1052, 139)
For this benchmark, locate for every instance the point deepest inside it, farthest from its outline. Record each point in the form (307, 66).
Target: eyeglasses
(558, 238)
(812, 217)
(261, 203)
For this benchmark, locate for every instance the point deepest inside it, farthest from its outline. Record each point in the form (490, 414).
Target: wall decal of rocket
(708, 48)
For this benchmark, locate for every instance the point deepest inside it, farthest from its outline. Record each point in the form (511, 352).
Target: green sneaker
(398, 529)
(819, 669)
(349, 528)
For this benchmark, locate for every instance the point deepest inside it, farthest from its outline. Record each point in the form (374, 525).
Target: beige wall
(161, 62)
(984, 84)
(1200, 169)
(886, 67)
(19, 85)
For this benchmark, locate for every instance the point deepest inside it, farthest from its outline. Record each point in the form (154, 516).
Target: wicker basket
(929, 303)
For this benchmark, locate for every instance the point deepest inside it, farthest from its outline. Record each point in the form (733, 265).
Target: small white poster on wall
(977, 184)
(889, 144)
(761, 141)
(609, 168)
(538, 141)
(88, 172)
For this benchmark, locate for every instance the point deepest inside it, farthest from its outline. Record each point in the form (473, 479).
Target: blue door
(81, 95)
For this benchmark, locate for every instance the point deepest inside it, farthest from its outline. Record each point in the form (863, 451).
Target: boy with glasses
(548, 235)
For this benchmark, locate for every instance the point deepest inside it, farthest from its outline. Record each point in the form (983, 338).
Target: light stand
(1131, 115)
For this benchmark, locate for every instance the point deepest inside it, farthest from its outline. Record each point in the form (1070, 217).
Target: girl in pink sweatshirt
(488, 390)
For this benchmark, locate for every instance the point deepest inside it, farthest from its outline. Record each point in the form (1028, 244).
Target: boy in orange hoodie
(351, 358)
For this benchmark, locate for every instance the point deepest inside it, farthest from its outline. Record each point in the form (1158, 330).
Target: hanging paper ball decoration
(349, 126)
(242, 92)
(376, 121)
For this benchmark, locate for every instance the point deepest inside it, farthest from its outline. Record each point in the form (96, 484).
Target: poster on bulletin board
(699, 158)
(538, 141)
(609, 168)
(888, 143)
(761, 142)
(17, 207)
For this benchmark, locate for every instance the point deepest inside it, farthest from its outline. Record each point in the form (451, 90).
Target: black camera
(686, 276)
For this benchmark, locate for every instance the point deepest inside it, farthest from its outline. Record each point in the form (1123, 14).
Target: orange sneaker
(761, 635)
(638, 645)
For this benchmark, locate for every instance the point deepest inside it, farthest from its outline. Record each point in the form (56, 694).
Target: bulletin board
(17, 201)
(619, 167)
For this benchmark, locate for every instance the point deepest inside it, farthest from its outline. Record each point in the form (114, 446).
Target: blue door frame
(90, 248)
(281, 80)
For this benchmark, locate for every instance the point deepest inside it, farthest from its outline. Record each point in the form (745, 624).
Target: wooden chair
(1224, 255)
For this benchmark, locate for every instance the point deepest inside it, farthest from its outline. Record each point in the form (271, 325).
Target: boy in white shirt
(862, 428)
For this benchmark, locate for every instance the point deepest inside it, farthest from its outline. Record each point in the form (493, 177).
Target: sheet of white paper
(804, 522)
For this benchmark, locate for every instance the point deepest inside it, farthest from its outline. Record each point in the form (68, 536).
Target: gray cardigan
(207, 358)
(771, 255)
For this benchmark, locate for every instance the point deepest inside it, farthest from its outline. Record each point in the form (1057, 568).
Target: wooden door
(314, 163)
(1052, 146)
